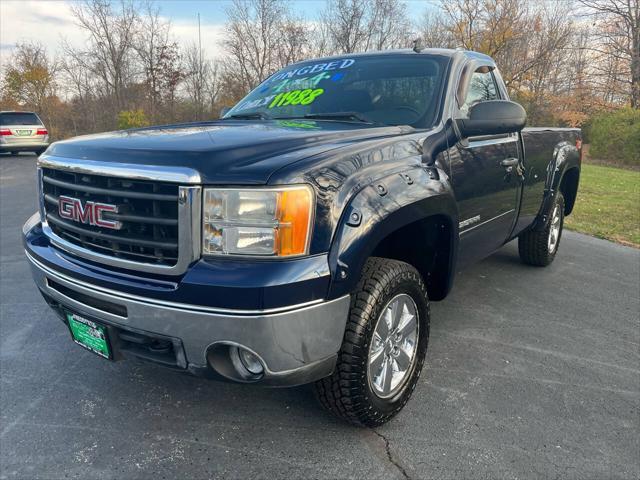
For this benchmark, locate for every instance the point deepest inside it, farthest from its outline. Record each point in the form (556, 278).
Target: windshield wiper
(345, 116)
(248, 116)
(340, 116)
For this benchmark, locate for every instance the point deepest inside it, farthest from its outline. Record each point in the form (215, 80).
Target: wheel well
(425, 244)
(569, 188)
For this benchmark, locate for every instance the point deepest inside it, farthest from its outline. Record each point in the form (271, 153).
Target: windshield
(390, 90)
(19, 118)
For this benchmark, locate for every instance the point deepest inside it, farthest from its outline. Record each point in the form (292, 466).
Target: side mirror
(224, 111)
(492, 117)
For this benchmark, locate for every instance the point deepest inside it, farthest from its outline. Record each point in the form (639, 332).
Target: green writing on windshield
(300, 83)
(296, 97)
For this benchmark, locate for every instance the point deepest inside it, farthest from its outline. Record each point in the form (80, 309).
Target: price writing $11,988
(296, 97)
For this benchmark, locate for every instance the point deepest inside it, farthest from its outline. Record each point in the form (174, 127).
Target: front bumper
(296, 345)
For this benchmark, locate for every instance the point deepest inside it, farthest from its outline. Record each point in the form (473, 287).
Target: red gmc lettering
(91, 212)
(65, 207)
(84, 214)
(98, 209)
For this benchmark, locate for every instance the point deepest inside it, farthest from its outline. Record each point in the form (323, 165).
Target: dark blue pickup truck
(300, 238)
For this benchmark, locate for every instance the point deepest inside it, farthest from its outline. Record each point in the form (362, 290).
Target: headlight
(260, 221)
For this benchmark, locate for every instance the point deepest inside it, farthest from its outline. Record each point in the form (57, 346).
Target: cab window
(482, 87)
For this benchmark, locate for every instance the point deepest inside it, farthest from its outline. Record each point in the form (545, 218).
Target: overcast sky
(49, 21)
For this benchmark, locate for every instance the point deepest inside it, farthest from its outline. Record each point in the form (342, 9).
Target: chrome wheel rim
(554, 230)
(392, 352)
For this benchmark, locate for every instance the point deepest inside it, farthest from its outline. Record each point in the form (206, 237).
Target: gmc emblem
(72, 209)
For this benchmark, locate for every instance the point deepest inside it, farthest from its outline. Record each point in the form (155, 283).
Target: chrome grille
(147, 210)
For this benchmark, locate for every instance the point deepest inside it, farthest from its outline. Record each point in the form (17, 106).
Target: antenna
(199, 41)
(417, 45)
(200, 66)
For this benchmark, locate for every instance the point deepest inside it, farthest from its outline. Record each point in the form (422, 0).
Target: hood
(223, 152)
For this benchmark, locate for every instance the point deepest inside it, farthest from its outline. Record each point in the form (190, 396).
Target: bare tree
(214, 90)
(520, 38)
(293, 44)
(464, 20)
(360, 25)
(170, 75)
(545, 69)
(529, 58)
(321, 44)
(80, 87)
(390, 25)
(198, 73)
(617, 42)
(262, 36)
(434, 31)
(345, 24)
(109, 53)
(487, 26)
(151, 43)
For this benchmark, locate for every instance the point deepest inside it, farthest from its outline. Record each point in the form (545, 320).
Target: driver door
(484, 177)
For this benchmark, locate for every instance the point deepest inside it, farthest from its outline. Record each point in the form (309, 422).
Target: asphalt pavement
(530, 373)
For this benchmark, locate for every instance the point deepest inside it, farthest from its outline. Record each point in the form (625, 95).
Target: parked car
(300, 238)
(22, 132)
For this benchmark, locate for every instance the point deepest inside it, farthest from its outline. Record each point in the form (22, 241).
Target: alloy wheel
(392, 352)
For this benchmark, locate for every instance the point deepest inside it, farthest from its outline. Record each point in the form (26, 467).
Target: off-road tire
(347, 392)
(533, 245)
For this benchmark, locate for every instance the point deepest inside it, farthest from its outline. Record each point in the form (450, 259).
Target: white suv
(22, 132)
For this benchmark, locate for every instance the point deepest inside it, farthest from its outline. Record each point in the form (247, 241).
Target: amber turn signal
(294, 214)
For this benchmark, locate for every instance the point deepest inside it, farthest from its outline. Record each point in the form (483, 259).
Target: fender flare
(374, 213)
(566, 156)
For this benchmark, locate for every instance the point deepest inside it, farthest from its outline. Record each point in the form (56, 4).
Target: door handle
(509, 162)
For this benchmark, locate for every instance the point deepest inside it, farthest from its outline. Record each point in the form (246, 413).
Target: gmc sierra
(299, 238)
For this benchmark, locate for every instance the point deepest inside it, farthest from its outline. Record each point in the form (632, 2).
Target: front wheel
(540, 247)
(384, 345)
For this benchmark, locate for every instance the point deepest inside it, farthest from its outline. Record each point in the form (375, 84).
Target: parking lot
(530, 373)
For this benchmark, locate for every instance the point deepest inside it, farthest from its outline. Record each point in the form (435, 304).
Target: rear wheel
(384, 346)
(540, 247)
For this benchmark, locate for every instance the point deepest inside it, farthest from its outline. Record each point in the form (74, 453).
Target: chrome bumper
(296, 346)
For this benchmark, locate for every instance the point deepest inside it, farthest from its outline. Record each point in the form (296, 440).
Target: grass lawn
(608, 204)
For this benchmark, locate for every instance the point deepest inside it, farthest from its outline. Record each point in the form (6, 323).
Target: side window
(482, 87)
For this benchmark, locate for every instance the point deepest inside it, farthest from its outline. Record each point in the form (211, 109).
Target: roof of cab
(446, 52)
